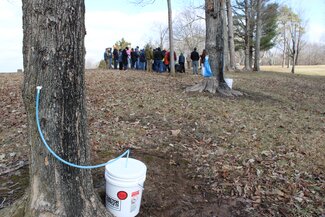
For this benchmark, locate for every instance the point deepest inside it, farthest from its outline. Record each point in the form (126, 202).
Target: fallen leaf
(46, 161)
(2, 156)
(220, 151)
(266, 153)
(176, 132)
(279, 192)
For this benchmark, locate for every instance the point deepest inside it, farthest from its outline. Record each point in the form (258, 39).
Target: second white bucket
(229, 82)
(124, 186)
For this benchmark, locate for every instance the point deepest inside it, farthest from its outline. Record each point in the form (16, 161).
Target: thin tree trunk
(294, 40)
(297, 53)
(247, 37)
(225, 37)
(222, 41)
(284, 46)
(54, 51)
(258, 36)
(288, 56)
(251, 33)
(171, 38)
(298, 45)
(161, 43)
(232, 56)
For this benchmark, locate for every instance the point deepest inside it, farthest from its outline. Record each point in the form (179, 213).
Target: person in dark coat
(195, 57)
(158, 57)
(134, 58)
(120, 59)
(181, 62)
(115, 58)
(202, 57)
(125, 58)
(143, 60)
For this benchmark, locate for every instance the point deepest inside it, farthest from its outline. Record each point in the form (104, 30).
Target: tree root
(208, 84)
(17, 209)
(20, 209)
(13, 168)
(211, 85)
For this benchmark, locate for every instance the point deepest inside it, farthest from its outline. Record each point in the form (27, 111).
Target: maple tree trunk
(53, 48)
(215, 37)
(215, 46)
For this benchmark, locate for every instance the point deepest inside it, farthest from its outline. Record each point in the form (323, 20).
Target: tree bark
(225, 37)
(258, 36)
(247, 67)
(251, 32)
(284, 46)
(171, 38)
(232, 56)
(288, 55)
(299, 44)
(211, 32)
(215, 37)
(294, 49)
(297, 52)
(54, 51)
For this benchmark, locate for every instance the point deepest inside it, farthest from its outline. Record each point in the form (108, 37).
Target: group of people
(149, 59)
(203, 61)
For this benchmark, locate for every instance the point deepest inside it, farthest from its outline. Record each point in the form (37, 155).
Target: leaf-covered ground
(262, 154)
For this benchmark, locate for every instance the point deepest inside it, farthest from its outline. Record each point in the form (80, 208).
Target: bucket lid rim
(117, 170)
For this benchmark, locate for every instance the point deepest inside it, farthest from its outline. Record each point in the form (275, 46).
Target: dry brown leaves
(265, 150)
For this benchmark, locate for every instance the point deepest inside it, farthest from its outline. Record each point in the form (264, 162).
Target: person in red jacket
(167, 60)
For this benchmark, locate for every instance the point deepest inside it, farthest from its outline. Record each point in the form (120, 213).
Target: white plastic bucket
(229, 82)
(124, 186)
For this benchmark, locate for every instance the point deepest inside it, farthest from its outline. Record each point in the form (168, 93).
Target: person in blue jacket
(206, 69)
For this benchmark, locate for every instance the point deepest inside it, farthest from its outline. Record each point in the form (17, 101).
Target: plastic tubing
(58, 157)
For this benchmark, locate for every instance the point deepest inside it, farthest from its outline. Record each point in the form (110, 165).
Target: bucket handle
(141, 186)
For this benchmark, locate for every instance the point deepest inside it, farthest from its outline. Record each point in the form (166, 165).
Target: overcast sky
(107, 21)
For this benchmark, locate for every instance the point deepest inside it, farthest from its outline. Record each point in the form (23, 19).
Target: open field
(257, 155)
(318, 70)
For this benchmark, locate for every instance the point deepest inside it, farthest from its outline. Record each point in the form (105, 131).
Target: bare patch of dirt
(261, 154)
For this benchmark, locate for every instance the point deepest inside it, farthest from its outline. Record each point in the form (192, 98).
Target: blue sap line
(58, 157)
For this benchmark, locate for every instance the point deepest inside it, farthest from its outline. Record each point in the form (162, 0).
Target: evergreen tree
(122, 44)
(269, 17)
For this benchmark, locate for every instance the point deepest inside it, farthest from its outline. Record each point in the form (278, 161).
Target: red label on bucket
(135, 193)
(134, 200)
